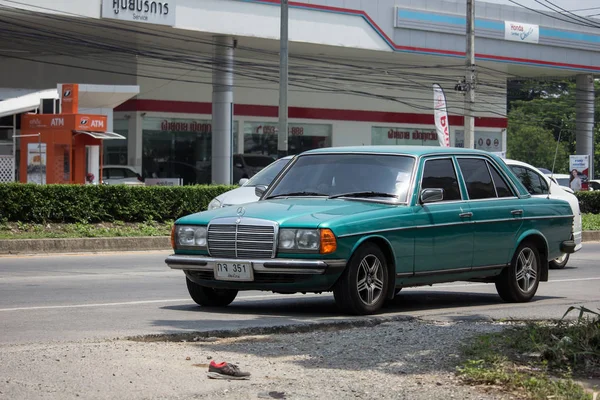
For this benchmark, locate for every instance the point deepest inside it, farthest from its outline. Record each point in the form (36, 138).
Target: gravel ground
(395, 360)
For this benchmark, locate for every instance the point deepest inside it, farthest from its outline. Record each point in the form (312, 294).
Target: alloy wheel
(369, 280)
(526, 270)
(561, 259)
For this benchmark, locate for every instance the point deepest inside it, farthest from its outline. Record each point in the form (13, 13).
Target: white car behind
(539, 184)
(247, 192)
(562, 180)
(121, 175)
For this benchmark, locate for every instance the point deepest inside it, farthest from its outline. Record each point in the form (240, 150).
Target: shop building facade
(361, 73)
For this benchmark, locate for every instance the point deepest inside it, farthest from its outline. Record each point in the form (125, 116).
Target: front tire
(519, 282)
(363, 286)
(209, 297)
(560, 262)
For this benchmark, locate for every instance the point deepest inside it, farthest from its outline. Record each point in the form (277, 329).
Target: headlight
(287, 239)
(191, 236)
(299, 239)
(307, 239)
(214, 204)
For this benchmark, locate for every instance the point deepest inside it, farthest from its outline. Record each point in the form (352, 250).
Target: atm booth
(64, 147)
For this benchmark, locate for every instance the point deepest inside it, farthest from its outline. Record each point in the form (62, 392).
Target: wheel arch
(390, 258)
(541, 243)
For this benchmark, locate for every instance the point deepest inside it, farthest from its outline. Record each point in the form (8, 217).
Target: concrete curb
(84, 245)
(142, 243)
(591, 236)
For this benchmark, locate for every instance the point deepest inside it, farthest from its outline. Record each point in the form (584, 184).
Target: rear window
(258, 161)
(267, 174)
(563, 181)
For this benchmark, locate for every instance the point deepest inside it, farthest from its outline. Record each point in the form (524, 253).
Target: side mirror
(260, 190)
(431, 195)
(243, 181)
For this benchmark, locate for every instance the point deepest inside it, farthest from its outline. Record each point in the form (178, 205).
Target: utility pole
(470, 77)
(282, 135)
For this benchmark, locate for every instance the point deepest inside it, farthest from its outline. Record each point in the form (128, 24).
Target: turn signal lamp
(173, 237)
(328, 242)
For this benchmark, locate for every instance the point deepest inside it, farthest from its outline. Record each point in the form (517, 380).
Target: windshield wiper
(364, 194)
(296, 194)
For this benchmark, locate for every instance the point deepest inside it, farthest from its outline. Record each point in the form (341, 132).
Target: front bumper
(283, 266)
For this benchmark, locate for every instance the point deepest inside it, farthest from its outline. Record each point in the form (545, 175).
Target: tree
(533, 144)
(550, 105)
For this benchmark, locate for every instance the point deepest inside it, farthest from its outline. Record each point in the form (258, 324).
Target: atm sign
(91, 123)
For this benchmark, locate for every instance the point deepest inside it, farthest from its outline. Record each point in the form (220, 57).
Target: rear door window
(477, 178)
(128, 173)
(117, 173)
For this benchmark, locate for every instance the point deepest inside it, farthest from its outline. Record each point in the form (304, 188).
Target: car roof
(404, 150)
(517, 162)
(117, 166)
(254, 155)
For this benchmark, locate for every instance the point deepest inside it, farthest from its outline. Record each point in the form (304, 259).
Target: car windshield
(258, 161)
(353, 175)
(267, 174)
(563, 181)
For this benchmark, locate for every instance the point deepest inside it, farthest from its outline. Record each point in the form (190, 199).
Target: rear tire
(519, 282)
(209, 297)
(560, 262)
(363, 286)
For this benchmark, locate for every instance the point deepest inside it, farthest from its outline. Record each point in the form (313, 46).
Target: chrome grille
(229, 240)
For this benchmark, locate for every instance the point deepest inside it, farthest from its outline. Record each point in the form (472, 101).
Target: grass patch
(536, 360)
(19, 230)
(590, 222)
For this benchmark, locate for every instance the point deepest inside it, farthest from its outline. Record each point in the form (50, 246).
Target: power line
(570, 21)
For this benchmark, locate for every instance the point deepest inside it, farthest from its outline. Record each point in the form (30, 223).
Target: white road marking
(126, 303)
(250, 298)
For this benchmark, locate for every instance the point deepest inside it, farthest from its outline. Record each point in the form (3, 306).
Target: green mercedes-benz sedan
(365, 222)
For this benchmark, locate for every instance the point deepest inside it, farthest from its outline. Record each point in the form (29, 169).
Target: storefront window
(404, 136)
(115, 151)
(484, 140)
(261, 137)
(179, 148)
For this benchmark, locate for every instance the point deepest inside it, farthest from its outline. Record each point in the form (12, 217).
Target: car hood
(304, 213)
(241, 195)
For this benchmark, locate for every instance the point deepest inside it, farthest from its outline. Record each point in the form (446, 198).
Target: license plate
(234, 271)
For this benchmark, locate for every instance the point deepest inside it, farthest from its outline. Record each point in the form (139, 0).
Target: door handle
(517, 212)
(466, 215)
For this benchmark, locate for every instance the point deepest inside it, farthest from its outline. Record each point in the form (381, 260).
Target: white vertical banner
(441, 115)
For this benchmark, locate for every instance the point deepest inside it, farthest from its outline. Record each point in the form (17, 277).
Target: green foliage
(19, 230)
(29, 203)
(550, 106)
(589, 202)
(537, 360)
(590, 222)
(534, 144)
(565, 346)
(537, 386)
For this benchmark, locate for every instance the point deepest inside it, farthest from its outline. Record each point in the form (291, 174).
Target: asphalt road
(72, 297)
